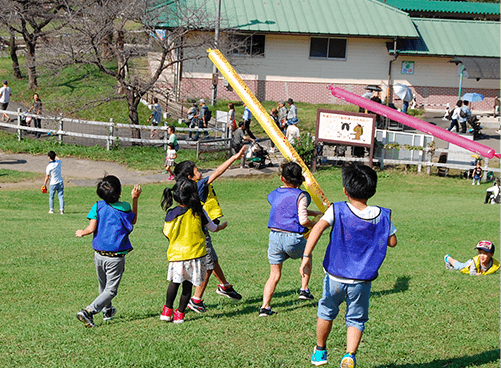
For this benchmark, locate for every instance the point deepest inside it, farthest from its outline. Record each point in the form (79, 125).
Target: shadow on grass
(466, 361)
(401, 285)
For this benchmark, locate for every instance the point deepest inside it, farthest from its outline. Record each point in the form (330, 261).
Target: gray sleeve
(473, 269)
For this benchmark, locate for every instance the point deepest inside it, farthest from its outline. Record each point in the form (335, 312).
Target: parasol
(473, 97)
(403, 92)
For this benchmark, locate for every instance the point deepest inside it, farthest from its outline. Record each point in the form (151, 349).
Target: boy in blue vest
(357, 247)
(288, 222)
(111, 222)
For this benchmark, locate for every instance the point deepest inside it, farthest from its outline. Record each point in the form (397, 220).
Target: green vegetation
(13, 176)
(422, 316)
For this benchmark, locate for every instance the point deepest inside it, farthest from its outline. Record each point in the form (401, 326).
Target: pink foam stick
(413, 122)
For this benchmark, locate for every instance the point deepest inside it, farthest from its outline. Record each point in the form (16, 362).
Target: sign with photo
(408, 67)
(342, 127)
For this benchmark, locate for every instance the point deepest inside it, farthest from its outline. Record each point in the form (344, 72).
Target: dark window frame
(323, 54)
(251, 46)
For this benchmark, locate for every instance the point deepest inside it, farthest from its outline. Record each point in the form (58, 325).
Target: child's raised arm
(136, 192)
(88, 230)
(225, 165)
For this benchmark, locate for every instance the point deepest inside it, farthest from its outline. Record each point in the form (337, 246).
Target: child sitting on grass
(183, 227)
(357, 248)
(288, 222)
(111, 222)
(481, 264)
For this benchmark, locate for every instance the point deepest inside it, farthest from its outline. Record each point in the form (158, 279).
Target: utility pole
(215, 75)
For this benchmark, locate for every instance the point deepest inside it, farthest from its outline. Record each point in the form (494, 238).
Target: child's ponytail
(195, 204)
(167, 199)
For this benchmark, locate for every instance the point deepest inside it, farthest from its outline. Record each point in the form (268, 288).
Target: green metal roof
(445, 6)
(366, 18)
(445, 37)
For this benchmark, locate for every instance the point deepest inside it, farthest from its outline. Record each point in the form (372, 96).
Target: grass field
(421, 315)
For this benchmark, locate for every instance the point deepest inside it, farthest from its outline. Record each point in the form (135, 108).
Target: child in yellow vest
(183, 227)
(481, 264)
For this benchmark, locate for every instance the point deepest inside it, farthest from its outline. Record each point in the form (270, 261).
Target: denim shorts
(356, 297)
(211, 257)
(284, 245)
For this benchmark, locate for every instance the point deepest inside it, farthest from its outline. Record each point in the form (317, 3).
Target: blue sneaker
(447, 263)
(319, 357)
(348, 361)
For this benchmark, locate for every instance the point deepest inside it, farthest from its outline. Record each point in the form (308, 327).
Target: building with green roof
(295, 49)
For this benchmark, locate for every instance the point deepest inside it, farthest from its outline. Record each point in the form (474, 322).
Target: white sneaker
(478, 183)
(61, 212)
(473, 183)
(51, 211)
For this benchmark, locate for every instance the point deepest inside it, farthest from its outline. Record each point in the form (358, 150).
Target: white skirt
(193, 270)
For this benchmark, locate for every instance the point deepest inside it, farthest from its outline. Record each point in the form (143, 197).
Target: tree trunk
(32, 69)
(13, 56)
(133, 100)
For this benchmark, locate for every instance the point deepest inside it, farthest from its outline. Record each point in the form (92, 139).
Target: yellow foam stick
(268, 125)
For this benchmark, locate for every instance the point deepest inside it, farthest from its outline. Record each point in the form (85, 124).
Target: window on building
(328, 48)
(246, 45)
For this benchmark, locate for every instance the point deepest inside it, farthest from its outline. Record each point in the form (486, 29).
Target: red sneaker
(178, 317)
(166, 314)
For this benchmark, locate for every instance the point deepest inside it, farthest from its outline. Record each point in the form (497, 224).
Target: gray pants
(109, 273)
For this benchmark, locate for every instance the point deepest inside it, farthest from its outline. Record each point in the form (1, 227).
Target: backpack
(463, 114)
(449, 114)
(208, 115)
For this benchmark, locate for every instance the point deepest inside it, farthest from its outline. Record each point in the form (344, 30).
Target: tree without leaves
(125, 30)
(31, 18)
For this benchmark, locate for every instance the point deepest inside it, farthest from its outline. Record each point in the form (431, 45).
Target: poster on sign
(346, 128)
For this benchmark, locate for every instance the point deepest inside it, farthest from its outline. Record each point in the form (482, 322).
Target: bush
(305, 147)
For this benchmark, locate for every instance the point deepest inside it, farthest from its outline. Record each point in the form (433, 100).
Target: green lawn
(421, 315)
(13, 176)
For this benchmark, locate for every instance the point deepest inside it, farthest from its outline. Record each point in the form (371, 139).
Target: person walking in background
(156, 118)
(455, 116)
(477, 173)
(110, 221)
(282, 116)
(464, 114)
(170, 160)
(203, 119)
(5, 93)
(292, 114)
(274, 116)
(238, 140)
(36, 108)
(55, 180)
(192, 119)
(247, 117)
(231, 117)
(171, 131)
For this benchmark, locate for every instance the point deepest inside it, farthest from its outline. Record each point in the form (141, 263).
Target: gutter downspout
(388, 89)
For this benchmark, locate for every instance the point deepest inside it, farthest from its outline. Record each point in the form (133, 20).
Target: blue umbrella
(473, 97)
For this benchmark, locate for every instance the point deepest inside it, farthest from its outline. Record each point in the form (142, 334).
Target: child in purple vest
(357, 247)
(288, 222)
(110, 221)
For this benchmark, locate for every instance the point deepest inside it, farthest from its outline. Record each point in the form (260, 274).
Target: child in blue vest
(210, 203)
(357, 247)
(183, 227)
(288, 222)
(111, 222)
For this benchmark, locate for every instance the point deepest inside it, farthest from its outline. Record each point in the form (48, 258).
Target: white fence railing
(112, 133)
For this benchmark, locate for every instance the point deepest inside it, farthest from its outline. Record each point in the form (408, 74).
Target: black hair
(109, 189)
(241, 124)
(292, 173)
(184, 169)
(459, 103)
(184, 192)
(171, 145)
(360, 181)
(465, 102)
(171, 127)
(290, 100)
(52, 155)
(155, 100)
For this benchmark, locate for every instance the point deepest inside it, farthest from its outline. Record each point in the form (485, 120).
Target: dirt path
(80, 172)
